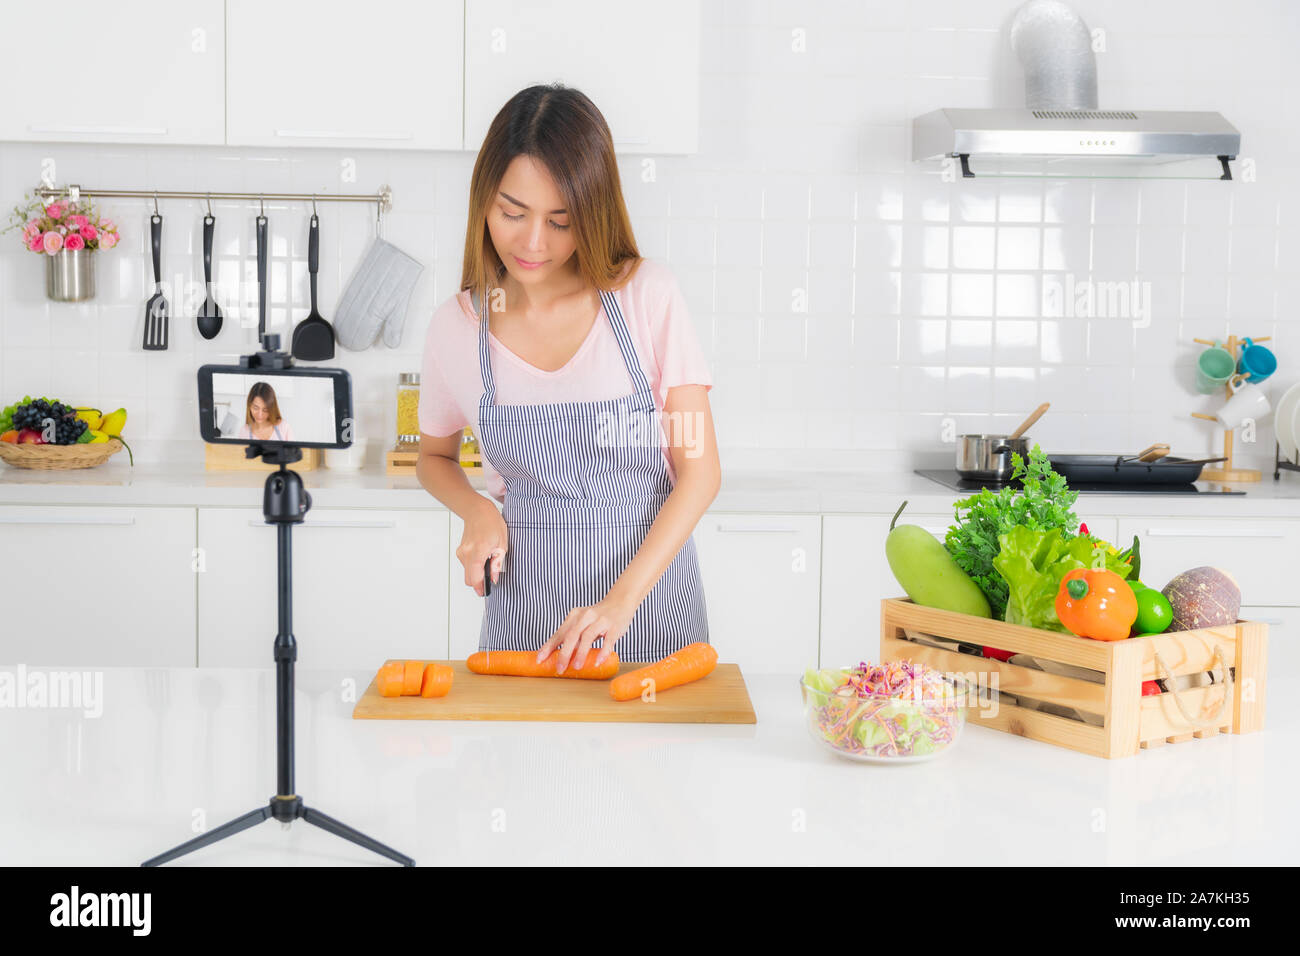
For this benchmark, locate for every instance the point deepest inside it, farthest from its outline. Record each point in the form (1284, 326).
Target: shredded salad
(896, 709)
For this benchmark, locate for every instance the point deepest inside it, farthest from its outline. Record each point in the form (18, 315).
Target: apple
(30, 436)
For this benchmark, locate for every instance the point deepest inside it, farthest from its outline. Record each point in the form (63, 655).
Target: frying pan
(1119, 468)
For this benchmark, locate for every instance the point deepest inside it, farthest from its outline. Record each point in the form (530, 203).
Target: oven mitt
(376, 298)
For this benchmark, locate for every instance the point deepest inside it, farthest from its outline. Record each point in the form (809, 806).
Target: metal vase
(70, 275)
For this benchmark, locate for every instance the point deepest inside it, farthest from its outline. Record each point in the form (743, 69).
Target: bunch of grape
(67, 426)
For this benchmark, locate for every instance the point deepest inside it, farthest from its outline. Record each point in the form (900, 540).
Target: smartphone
(305, 407)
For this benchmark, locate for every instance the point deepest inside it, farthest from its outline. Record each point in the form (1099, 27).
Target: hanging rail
(384, 198)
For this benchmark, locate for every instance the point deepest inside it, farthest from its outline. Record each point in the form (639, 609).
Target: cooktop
(949, 478)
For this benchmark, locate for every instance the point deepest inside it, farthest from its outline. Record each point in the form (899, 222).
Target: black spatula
(313, 338)
(156, 320)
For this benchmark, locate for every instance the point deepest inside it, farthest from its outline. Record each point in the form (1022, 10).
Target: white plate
(1284, 422)
(1293, 433)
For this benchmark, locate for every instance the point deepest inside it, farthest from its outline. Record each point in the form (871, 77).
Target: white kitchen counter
(776, 490)
(117, 789)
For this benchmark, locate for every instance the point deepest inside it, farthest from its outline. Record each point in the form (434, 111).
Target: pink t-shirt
(280, 432)
(661, 328)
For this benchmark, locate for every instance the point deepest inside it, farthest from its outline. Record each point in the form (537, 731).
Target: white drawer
(367, 585)
(1259, 553)
(761, 577)
(106, 586)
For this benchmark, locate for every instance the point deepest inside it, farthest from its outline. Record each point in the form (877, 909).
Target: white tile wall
(847, 299)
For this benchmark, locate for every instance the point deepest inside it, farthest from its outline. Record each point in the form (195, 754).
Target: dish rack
(1280, 464)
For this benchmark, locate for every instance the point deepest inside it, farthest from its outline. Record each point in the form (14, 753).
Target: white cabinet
(1283, 640)
(384, 74)
(138, 71)
(761, 576)
(855, 578)
(1260, 553)
(640, 65)
(97, 586)
(387, 75)
(367, 585)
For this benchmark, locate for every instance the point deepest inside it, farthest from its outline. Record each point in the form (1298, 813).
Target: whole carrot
(522, 664)
(437, 680)
(690, 663)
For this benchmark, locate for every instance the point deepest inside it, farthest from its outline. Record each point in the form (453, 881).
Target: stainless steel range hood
(1139, 136)
(1060, 125)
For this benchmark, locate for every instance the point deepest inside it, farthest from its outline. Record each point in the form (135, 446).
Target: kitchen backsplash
(855, 308)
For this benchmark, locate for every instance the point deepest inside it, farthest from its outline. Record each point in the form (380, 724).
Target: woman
(575, 363)
(262, 420)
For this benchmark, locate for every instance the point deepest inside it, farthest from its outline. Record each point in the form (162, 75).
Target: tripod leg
(250, 819)
(329, 824)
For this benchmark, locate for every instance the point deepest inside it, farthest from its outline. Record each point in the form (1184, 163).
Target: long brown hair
(266, 393)
(562, 129)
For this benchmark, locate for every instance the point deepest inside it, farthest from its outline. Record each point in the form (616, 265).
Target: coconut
(1202, 597)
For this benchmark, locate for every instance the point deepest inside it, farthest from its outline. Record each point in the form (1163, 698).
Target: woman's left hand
(573, 639)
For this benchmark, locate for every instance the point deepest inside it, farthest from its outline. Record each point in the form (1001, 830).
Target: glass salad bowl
(911, 715)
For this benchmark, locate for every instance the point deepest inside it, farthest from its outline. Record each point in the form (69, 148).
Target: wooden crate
(398, 462)
(402, 459)
(1128, 721)
(231, 458)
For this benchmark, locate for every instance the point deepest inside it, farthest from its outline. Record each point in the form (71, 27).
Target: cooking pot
(988, 457)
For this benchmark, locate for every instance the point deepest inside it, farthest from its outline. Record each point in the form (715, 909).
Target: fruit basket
(57, 457)
(1125, 721)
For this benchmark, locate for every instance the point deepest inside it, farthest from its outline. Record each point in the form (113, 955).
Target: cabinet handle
(254, 523)
(1183, 533)
(70, 519)
(334, 134)
(132, 130)
(759, 530)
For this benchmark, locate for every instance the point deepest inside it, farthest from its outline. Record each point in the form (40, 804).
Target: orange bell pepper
(1096, 603)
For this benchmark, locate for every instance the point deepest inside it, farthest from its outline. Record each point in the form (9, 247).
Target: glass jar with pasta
(408, 411)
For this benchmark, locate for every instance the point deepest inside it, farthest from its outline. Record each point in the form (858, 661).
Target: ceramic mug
(346, 459)
(1214, 367)
(1248, 401)
(1257, 360)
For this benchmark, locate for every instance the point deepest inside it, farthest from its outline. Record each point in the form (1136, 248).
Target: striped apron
(583, 483)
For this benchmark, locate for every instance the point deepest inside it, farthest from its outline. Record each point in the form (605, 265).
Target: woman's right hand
(484, 536)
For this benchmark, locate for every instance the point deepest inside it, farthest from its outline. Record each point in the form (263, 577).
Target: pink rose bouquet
(62, 224)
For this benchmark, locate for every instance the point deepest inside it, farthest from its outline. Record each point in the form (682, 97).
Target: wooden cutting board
(720, 698)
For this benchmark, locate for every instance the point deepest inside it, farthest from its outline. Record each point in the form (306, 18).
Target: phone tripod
(284, 503)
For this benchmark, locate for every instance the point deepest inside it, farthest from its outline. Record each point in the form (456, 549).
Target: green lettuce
(1033, 563)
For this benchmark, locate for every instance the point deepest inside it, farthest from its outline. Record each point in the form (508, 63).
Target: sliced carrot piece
(437, 680)
(521, 664)
(689, 664)
(390, 679)
(413, 672)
